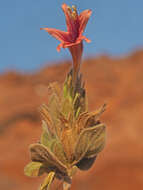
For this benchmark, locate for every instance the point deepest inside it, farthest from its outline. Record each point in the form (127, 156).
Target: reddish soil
(117, 82)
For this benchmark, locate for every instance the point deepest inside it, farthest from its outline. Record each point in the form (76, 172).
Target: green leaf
(90, 142)
(52, 143)
(41, 153)
(77, 112)
(57, 148)
(65, 90)
(47, 181)
(46, 138)
(34, 169)
(97, 142)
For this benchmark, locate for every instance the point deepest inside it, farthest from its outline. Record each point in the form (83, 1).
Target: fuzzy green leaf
(46, 138)
(41, 153)
(90, 142)
(57, 148)
(97, 143)
(33, 169)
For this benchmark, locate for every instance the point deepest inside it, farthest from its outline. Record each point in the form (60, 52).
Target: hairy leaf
(34, 169)
(43, 154)
(90, 142)
(46, 138)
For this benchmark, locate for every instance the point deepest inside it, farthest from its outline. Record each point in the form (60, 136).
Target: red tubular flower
(73, 37)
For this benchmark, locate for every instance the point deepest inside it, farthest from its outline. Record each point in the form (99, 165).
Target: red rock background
(118, 82)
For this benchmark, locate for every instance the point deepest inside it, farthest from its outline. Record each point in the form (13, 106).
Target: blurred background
(112, 69)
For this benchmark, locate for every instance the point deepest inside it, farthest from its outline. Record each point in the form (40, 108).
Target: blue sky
(115, 28)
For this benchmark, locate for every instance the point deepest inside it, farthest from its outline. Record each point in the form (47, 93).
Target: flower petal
(61, 45)
(83, 19)
(86, 39)
(58, 34)
(75, 27)
(68, 44)
(69, 20)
